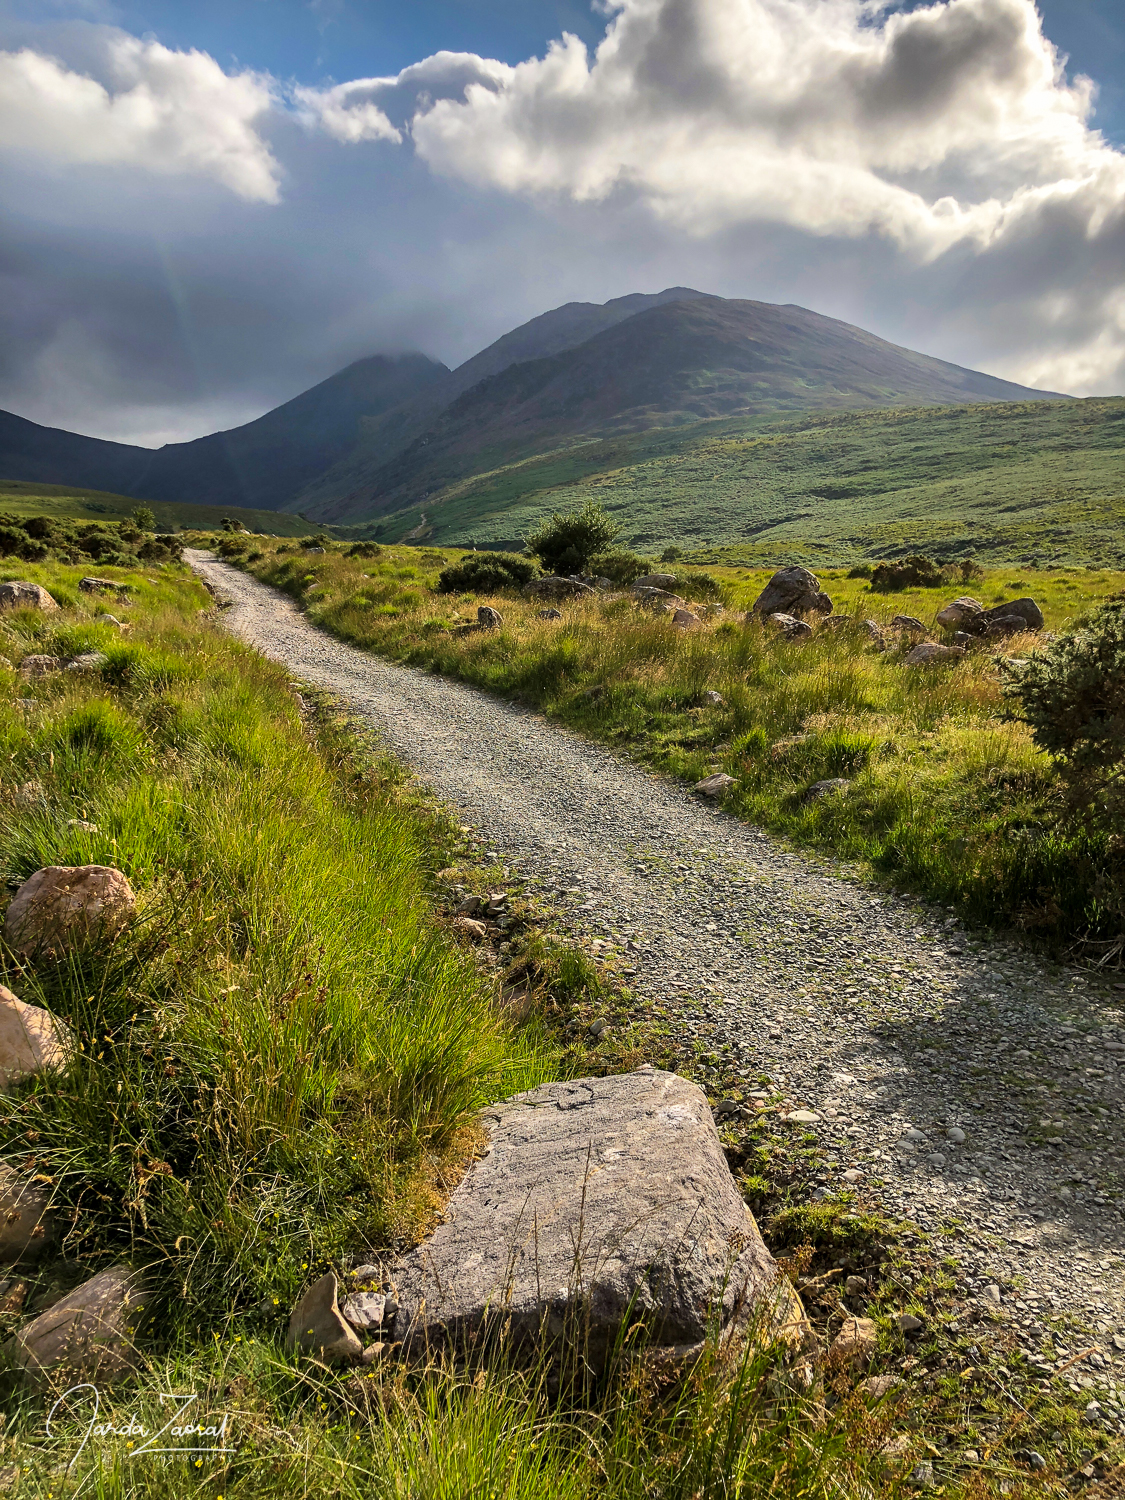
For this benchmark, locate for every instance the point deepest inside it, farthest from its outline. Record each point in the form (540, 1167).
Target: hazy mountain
(263, 464)
(678, 361)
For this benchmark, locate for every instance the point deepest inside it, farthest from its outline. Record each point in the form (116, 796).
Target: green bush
(914, 572)
(861, 570)
(566, 542)
(1072, 694)
(619, 567)
(144, 518)
(486, 573)
(365, 549)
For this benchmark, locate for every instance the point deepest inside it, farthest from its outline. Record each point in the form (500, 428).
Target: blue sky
(204, 209)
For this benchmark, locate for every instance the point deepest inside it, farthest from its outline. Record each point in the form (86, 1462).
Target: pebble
(804, 985)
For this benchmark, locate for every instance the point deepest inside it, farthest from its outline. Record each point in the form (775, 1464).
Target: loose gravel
(953, 1079)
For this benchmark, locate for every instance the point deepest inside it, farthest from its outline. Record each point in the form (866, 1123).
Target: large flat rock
(598, 1202)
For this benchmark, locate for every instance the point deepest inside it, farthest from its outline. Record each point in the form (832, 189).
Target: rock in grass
(317, 1327)
(908, 622)
(40, 666)
(834, 784)
(791, 628)
(89, 661)
(489, 618)
(471, 928)
(19, 594)
(713, 699)
(1024, 609)
(665, 581)
(552, 589)
(792, 591)
(90, 1334)
(855, 1344)
(101, 585)
(716, 785)
(550, 614)
(927, 653)
(959, 612)
(685, 619)
(64, 907)
(26, 1223)
(31, 1040)
(599, 1200)
(364, 1309)
(658, 599)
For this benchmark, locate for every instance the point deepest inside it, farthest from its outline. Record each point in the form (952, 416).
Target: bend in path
(880, 1018)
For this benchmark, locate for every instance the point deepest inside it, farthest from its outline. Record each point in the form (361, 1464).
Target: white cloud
(158, 110)
(363, 109)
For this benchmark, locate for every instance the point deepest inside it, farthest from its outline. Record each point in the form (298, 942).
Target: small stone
(959, 612)
(26, 1225)
(914, 1134)
(364, 1309)
(834, 784)
(956, 1135)
(489, 618)
(855, 1286)
(550, 614)
(1032, 1458)
(936, 1159)
(82, 824)
(89, 661)
(100, 585)
(991, 1295)
(40, 666)
(855, 1344)
(908, 622)
(372, 1353)
(713, 698)
(922, 1475)
(317, 1327)
(792, 629)
(928, 652)
(880, 1385)
(803, 1117)
(367, 1272)
(853, 1174)
(715, 785)
(685, 620)
(477, 931)
(31, 1040)
(908, 1323)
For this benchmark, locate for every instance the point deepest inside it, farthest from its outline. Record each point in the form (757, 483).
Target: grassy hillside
(676, 363)
(945, 795)
(1018, 482)
(24, 498)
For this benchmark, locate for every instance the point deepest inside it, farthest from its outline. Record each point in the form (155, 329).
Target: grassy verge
(943, 795)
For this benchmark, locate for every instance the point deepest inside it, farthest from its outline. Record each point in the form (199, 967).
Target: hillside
(1013, 481)
(675, 363)
(259, 465)
(68, 502)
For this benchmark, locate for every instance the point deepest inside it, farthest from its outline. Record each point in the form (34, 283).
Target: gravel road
(957, 1079)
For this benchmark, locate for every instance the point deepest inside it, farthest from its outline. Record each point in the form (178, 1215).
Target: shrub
(227, 524)
(671, 554)
(364, 549)
(486, 573)
(914, 572)
(861, 570)
(565, 543)
(1072, 694)
(620, 567)
(144, 518)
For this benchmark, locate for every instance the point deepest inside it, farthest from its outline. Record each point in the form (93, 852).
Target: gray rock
(31, 1040)
(364, 1309)
(908, 622)
(685, 619)
(855, 1344)
(715, 785)
(665, 581)
(489, 618)
(713, 698)
(963, 639)
(803, 1117)
(64, 907)
(792, 591)
(368, 1271)
(658, 599)
(855, 1286)
(19, 594)
(40, 666)
(790, 627)
(927, 653)
(922, 1475)
(88, 1334)
(1025, 609)
(908, 1323)
(827, 788)
(550, 614)
(956, 1135)
(101, 586)
(598, 1199)
(317, 1327)
(552, 589)
(991, 1295)
(26, 1224)
(936, 1159)
(1004, 626)
(89, 661)
(959, 612)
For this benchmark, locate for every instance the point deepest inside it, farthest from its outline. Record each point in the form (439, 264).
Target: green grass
(946, 797)
(65, 502)
(1033, 483)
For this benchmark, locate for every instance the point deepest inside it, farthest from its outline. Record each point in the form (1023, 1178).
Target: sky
(206, 206)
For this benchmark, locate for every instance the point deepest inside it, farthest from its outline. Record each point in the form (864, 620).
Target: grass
(67, 502)
(1017, 482)
(945, 796)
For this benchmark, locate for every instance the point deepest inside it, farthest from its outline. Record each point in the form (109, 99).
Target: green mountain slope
(66, 502)
(674, 363)
(1016, 481)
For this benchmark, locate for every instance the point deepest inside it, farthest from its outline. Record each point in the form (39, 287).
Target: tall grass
(945, 796)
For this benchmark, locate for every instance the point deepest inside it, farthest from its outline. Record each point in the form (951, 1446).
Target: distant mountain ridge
(392, 430)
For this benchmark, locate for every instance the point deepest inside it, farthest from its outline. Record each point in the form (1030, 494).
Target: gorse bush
(1072, 693)
(38, 539)
(619, 567)
(486, 573)
(914, 572)
(566, 541)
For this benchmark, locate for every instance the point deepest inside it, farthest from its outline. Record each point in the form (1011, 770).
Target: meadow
(946, 793)
(277, 1065)
(23, 498)
(1035, 484)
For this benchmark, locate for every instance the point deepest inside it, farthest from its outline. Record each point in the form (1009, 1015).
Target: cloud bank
(930, 173)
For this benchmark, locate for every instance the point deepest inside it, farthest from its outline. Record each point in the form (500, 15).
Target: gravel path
(956, 1079)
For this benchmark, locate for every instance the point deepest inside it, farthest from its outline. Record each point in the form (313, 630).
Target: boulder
(318, 1328)
(663, 581)
(908, 622)
(598, 1201)
(714, 785)
(959, 612)
(30, 1040)
(658, 599)
(686, 620)
(89, 661)
(88, 1335)
(1025, 609)
(26, 1223)
(552, 590)
(928, 652)
(101, 585)
(39, 666)
(64, 907)
(488, 618)
(22, 595)
(1003, 626)
(792, 591)
(792, 629)
(550, 614)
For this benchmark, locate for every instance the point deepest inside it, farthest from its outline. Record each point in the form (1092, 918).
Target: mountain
(678, 361)
(263, 464)
(383, 438)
